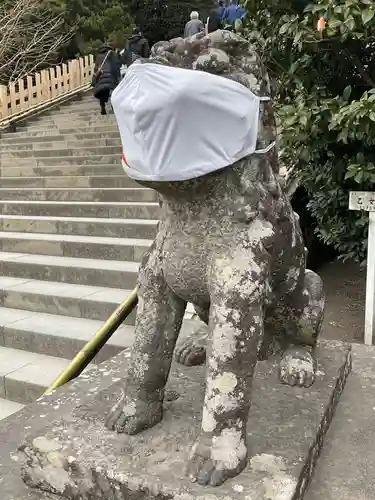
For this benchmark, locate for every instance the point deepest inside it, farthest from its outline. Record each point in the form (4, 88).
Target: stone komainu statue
(230, 243)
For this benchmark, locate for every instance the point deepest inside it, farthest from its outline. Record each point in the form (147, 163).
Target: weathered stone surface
(286, 428)
(229, 243)
(35, 418)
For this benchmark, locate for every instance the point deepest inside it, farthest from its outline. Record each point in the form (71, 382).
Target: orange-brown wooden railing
(45, 87)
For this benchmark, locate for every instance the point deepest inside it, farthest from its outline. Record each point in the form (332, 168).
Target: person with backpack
(106, 75)
(138, 47)
(214, 21)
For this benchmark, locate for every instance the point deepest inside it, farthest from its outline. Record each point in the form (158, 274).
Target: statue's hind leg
(191, 349)
(305, 309)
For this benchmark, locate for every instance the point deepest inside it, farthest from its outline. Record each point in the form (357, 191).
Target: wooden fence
(45, 86)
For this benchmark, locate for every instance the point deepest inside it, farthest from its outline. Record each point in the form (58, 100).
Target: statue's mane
(228, 55)
(231, 56)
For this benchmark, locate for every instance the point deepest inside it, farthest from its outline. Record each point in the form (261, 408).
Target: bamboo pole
(91, 349)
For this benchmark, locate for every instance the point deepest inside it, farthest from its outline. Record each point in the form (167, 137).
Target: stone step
(89, 109)
(61, 161)
(67, 245)
(64, 299)
(70, 181)
(82, 101)
(80, 271)
(112, 228)
(87, 100)
(63, 152)
(93, 117)
(68, 130)
(79, 114)
(8, 408)
(68, 258)
(24, 376)
(112, 210)
(68, 127)
(69, 121)
(13, 148)
(59, 170)
(75, 107)
(136, 194)
(21, 138)
(58, 336)
(89, 103)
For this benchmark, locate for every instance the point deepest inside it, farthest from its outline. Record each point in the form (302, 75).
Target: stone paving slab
(24, 375)
(28, 383)
(346, 468)
(34, 418)
(286, 432)
(8, 408)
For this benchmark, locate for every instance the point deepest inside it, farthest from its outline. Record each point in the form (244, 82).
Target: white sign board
(365, 200)
(362, 200)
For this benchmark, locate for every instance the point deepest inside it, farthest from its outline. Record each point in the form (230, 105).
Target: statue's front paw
(214, 459)
(298, 369)
(132, 417)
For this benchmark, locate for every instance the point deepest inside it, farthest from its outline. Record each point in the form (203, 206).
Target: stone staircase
(73, 230)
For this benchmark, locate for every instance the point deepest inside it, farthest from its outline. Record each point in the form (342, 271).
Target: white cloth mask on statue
(178, 124)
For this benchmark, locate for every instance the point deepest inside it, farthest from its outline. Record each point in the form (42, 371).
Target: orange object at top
(321, 24)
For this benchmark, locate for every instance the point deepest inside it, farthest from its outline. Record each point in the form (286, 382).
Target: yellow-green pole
(91, 349)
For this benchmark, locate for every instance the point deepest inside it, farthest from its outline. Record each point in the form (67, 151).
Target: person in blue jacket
(233, 12)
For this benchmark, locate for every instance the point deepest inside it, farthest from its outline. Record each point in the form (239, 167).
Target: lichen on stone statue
(229, 243)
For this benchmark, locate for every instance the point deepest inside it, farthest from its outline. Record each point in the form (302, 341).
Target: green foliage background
(165, 19)
(324, 89)
(95, 22)
(99, 21)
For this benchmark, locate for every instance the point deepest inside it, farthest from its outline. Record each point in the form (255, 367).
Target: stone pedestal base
(79, 459)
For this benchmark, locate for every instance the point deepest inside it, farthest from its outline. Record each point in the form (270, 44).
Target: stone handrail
(47, 86)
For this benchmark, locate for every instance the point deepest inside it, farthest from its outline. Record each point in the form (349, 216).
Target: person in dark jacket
(215, 18)
(137, 47)
(106, 75)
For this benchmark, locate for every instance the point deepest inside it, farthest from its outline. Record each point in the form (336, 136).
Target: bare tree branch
(30, 37)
